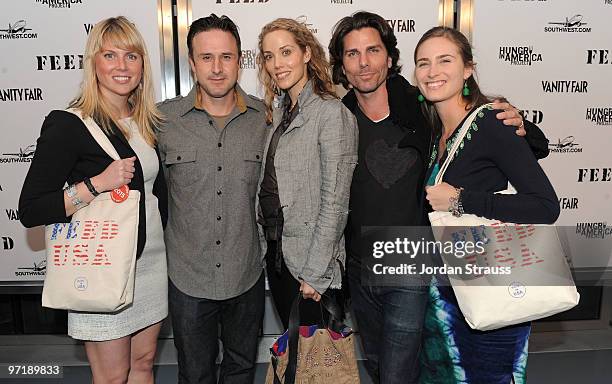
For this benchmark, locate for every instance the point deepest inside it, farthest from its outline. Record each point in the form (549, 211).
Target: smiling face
(118, 71)
(440, 71)
(285, 61)
(365, 61)
(215, 62)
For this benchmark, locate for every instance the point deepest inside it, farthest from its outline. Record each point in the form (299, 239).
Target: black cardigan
(66, 152)
(490, 157)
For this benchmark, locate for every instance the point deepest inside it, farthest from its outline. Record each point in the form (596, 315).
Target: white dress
(150, 303)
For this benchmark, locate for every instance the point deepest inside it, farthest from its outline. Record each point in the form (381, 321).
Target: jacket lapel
(297, 122)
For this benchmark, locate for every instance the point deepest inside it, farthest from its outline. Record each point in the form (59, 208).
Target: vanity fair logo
(568, 203)
(17, 30)
(59, 3)
(21, 94)
(12, 214)
(571, 24)
(519, 55)
(401, 25)
(565, 86)
(599, 116)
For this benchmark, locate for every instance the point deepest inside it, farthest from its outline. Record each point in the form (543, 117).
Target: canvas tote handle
(97, 134)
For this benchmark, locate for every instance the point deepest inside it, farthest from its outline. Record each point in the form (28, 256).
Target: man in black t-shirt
(394, 146)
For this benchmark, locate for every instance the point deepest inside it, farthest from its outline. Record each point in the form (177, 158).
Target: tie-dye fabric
(453, 353)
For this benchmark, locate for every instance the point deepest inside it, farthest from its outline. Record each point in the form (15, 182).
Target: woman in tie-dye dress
(490, 156)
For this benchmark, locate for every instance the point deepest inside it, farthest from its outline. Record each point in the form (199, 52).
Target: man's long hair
(355, 22)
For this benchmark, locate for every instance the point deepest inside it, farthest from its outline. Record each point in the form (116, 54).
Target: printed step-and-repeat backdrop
(553, 60)
(41, 68)
(409, 20)
(42, 44)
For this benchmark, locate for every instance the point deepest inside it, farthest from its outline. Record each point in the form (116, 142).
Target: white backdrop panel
(410, 19)
(40, 41)
(553, 59)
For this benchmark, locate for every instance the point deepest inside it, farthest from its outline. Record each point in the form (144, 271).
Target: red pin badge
(119, 195)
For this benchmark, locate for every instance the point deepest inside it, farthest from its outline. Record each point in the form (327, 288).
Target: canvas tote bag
(91, 260)
(540, 283)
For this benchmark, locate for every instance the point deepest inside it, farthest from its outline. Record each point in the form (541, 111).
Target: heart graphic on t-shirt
(387, 163)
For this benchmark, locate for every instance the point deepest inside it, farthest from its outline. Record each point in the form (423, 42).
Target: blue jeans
(195, 323)
(390, 321)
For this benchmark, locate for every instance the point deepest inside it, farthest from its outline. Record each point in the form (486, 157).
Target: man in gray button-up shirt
(211, 148)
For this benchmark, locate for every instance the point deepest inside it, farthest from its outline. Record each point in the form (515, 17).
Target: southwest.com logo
(24, 155)
(571, 24)
(17, 30)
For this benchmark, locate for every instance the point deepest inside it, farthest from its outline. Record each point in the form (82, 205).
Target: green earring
(466, 90)
(420, 98)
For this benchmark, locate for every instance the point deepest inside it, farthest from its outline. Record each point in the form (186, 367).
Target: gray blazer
(314, 163)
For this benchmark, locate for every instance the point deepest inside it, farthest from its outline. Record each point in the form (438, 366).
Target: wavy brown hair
(476, 98)
(318, 69)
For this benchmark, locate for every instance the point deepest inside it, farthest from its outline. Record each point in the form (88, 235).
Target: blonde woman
(308, 166)
(117, 92)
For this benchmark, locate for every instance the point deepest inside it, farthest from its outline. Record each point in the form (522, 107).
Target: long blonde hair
(318, 68)
(121, 33)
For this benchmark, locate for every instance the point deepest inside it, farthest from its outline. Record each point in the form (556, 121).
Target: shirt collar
(243, 101)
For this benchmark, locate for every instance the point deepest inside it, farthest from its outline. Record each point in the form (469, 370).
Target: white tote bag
(539, 284)
(91, 261)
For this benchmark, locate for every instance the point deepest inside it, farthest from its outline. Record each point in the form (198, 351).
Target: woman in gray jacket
(306, 176)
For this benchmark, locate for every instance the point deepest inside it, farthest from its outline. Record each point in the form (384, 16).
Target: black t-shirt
(386, 183)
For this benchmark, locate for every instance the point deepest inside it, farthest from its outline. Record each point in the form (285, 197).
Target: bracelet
(71, 191)
(455, 204)
(90, 187)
